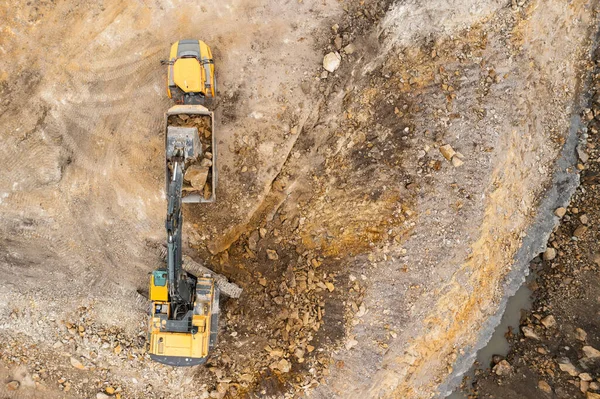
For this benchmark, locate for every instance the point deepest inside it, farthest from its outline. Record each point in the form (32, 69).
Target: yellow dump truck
(191, 73)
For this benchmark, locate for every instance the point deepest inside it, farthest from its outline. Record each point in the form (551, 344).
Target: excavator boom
(173, 225)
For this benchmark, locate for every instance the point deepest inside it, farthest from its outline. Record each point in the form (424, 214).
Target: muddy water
(498, 345)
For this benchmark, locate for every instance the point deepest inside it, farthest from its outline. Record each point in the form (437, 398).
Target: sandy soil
(368, 260)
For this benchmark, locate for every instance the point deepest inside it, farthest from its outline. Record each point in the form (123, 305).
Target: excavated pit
(371, 265)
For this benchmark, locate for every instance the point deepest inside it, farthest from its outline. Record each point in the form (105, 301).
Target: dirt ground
(368, 260)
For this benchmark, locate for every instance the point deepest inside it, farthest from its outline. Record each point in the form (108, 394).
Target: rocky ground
(554, 352)
(377, 163)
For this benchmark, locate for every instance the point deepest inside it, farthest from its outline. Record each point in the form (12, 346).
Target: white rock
(272, 254)
(502, 368)
(349, 49)
(456, 161)
(362, 310)
(337, 42)
(197, 175)
(580, 334)
(351, 343)
(544, 386)
(582, 155)
(584, 386)
(77, 364)
(332, 61)
(447, 151)
(283, 365)
(548, 321)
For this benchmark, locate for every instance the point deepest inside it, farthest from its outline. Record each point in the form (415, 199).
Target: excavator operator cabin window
(160, 278)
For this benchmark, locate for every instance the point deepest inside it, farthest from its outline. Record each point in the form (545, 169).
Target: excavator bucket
(186, 138)
(200, 177)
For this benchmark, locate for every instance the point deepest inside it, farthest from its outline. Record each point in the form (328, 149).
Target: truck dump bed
(200, 177)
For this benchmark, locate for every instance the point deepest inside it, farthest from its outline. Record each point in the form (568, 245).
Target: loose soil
(368, 260)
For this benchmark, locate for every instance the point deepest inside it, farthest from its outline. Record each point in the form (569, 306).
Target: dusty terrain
(369, 261)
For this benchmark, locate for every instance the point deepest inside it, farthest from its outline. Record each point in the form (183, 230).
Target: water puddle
(498, 345)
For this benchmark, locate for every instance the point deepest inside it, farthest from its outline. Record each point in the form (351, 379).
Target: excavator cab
(182, 333)
(191, 73)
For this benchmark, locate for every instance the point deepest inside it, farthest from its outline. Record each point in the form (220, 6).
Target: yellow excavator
(185, 308)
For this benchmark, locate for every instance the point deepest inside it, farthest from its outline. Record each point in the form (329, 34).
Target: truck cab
(191, 72)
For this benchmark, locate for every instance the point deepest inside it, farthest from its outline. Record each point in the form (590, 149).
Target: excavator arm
(178, 289)
(183, 145)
